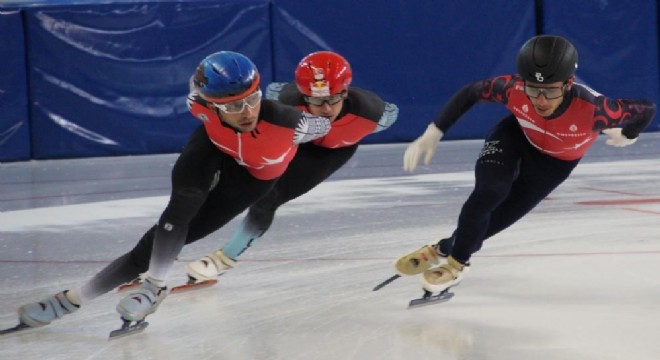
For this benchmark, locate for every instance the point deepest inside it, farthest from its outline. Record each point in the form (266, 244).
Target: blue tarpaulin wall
(113, 79)
(415, 54)
(14, 119)
(617, 43)
(99, 79)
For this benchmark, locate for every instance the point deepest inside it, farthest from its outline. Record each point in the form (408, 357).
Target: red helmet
(323, 73)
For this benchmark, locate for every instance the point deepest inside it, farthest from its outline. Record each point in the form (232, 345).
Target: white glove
(617, 138)
(424, 145)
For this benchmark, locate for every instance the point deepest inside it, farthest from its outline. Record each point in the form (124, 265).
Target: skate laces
(438, 247)
(429, 253)
(417, 261)
(150, 291)
(445, 276)
(454, 267)
(212, 260)
(221, 261)
(60, 304)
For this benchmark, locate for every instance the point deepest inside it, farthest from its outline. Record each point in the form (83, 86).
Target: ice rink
(577, 279)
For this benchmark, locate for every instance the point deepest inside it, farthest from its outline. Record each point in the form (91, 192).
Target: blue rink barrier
(617, 43)
(14, 121)
(412, 53)
(112, 79)
(102, 78)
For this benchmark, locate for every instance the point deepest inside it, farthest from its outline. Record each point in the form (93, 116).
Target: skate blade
(428, 298)
(194, 286)
(15, 329)
(386, 282)
(128, 329)
(130, 286)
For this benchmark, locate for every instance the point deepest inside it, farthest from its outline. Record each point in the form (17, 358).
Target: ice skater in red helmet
(321, 87)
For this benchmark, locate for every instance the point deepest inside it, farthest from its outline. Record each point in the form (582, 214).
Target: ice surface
(577, 279)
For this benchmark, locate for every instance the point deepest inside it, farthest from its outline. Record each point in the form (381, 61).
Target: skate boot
(43, 312)
(444, 276)
(209, 267)
(424, 258)
(144, 301)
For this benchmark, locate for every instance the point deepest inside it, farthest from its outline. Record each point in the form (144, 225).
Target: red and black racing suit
(219, 174)
(362, 113)
(526, 156)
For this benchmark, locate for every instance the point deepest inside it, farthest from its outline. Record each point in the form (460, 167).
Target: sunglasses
(550, 93)
(319, 101)
(237, 107)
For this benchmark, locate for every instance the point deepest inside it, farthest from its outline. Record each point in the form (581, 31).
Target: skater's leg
(121, 270)
(498, 166)
(311, 166)
(541, 176)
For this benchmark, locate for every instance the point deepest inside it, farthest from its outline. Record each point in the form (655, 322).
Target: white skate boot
(144, 301)
(209, 267)
(421, 260)
(445, 276)
(43, 312)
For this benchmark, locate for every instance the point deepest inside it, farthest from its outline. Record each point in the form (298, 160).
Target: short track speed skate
(420, 260)
(129, 328)
(386, 282)
(137, 305)
(190, 285)
(15, 329)
(428, 298)
(41, 313)
(440, 280)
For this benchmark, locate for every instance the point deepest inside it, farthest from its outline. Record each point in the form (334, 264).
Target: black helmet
(547, 59)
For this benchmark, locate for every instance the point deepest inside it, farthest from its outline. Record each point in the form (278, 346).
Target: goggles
(237, 107)
(550, 93)
(330, 100)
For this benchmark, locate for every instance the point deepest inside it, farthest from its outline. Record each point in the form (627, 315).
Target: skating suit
(525, 157)
(362, 113)
(570, 131)
(267, 150)
(221, 172)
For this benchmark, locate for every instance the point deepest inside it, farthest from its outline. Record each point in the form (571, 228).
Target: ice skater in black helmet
(553, 122)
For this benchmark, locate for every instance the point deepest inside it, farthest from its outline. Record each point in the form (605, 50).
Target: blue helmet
(226, 76)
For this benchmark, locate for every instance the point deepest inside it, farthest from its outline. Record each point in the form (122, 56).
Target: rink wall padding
(617, 42)
(14, 119)
(112, 79)
(91, 78)
(413, 53)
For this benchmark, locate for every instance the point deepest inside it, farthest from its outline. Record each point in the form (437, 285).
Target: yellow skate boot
(444, 276)
(420, 260)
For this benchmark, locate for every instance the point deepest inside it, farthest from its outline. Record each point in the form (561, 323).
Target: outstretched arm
(633, 115)
(425, 145)
(390, 114)
(311, 127)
